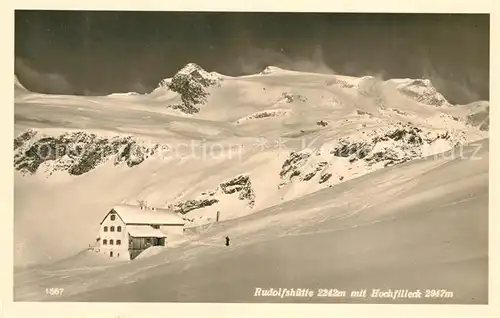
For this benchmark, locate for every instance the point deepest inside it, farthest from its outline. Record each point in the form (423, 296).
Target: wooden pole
(218, 213)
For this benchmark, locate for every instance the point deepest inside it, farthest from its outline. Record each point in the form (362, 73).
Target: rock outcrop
(383, 147)
(322, 123)
(184, 207)
(480, 118)
(77, 152)
(191, 83)
(290, 97)
(270, 113)
(241, 185)
(339, 82)
(423, 91)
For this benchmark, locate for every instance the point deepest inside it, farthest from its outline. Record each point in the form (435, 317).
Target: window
(119, 229)
(105, 242)
(112, 229)
(105, 229)
(118, 242)
(110, 242)
(113, 217)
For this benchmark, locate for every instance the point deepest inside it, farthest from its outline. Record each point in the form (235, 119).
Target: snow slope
(238, 145)
(18, 87)
(418, 225)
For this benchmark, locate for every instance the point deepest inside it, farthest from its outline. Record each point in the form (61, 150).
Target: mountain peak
(191, 83)
(193, 72)
(190, 68)
(421, 90)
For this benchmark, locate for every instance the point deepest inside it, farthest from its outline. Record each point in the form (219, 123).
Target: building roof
(131, 214)
(144, 231)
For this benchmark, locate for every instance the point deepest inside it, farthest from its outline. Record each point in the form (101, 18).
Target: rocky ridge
(423, 91)
(191, 83)
(240, 185)
(77, 152)
(396, 144)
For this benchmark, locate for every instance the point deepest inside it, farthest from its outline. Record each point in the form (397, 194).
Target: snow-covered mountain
(422, 91)
(195, 73)
(18, 86)
(202, 142)
(191, 83)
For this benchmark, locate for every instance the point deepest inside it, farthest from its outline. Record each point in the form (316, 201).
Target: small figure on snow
(227, 240)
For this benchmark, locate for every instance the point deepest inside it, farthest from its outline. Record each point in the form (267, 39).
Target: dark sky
(96, 52)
